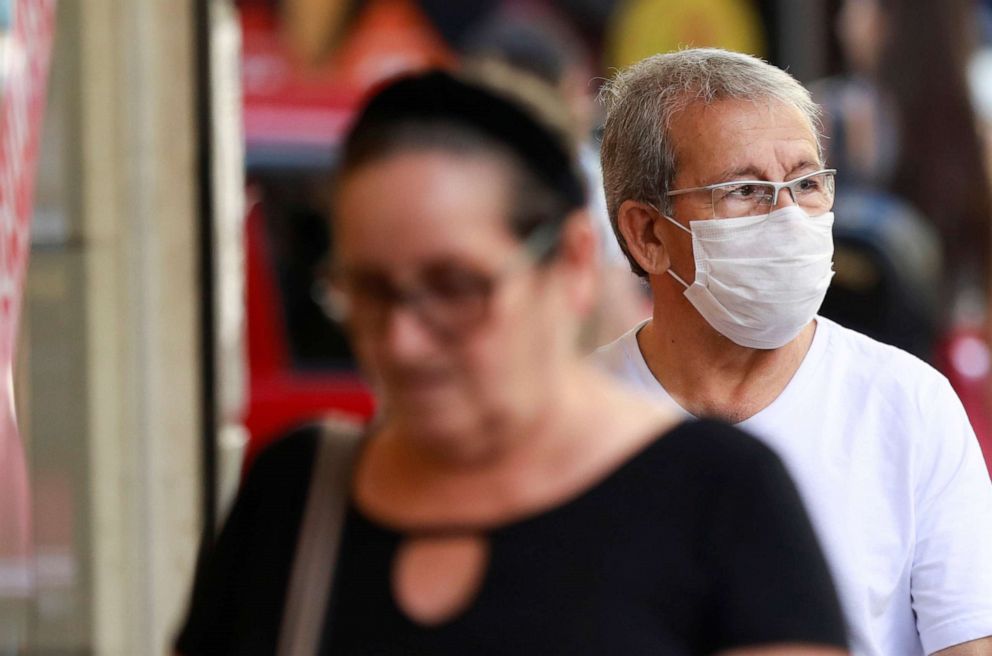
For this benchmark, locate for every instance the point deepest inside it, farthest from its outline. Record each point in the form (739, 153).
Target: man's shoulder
(858, 350)
(864, 358)
(622, 359)
(610, 349)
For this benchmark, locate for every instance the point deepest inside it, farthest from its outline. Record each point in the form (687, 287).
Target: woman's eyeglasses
(450, 298)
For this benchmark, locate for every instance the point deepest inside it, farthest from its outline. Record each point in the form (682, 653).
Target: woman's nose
(405, 335)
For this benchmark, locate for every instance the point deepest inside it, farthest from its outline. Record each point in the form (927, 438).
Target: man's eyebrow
(751, 172)
(805, 166)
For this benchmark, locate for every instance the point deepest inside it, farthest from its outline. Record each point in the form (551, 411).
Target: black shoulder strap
(312, 573)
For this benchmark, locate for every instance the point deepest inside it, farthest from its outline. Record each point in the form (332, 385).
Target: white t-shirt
(893, 478)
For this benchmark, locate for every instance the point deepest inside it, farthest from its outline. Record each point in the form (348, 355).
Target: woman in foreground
(509, 500)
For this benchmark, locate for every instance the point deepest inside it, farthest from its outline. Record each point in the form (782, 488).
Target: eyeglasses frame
(534, 248)
(777, 186)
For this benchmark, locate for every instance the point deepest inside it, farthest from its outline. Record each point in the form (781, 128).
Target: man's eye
(744, 191)
(810, 184)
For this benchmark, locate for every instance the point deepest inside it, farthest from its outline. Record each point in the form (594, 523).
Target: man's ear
(638, 223)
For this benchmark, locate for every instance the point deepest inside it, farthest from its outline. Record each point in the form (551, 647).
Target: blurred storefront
(111, 376)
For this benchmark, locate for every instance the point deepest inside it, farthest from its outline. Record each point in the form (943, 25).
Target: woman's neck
(580, 434)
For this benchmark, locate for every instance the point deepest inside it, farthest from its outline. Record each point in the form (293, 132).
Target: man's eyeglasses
(813, 192)
(450, 298)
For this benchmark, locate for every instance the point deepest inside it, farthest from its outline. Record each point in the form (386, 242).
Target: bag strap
(316, 554)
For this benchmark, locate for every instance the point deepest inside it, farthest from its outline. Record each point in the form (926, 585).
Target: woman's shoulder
(245, 570)
(713, 441)
(712, 450)
(281, 472)
(702, 435)
(291, 452)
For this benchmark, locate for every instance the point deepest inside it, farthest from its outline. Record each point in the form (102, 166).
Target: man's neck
(710, 376)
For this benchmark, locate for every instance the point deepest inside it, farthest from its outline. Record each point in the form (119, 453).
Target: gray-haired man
(719, 197)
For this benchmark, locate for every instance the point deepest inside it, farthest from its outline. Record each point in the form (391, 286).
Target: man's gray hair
(639, 158)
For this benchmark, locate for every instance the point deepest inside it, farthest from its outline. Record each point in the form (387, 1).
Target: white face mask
(760, 279)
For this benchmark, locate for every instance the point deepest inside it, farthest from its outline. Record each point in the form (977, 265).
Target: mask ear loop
(674, 222)
(677, 277)
(681, 227)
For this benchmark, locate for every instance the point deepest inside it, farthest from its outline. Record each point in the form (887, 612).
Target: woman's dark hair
(438, 110)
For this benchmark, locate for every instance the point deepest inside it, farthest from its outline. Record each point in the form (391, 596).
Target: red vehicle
(300, 364)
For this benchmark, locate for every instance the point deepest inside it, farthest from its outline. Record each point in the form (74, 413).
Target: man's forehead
(733, 115)
(743, 138)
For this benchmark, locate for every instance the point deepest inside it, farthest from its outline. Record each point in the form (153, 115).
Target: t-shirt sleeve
(951, 579)
(243, 575)
(769, 583)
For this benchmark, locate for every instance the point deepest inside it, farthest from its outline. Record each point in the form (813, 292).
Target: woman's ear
(578, 258)
(638, 223)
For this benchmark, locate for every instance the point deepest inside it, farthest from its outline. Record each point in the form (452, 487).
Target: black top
(698, 543)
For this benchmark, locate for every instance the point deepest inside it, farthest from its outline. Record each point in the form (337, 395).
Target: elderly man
(719, 197)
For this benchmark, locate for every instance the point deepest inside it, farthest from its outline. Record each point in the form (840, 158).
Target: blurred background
(170, 167)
